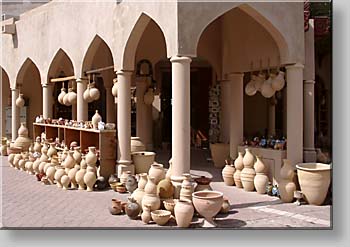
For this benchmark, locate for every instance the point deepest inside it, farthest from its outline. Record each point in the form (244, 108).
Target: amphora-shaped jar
(238, 166)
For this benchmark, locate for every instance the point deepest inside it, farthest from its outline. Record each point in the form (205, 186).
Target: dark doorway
(99, 104)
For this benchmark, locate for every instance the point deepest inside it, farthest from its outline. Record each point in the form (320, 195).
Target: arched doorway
(99, 56)
(5, 104)
(61, 66)
(28, 82)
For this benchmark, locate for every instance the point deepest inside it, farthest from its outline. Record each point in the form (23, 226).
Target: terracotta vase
(20, 101)
(219, 152)
(96, 119)
(36, 164)
(65, 180)
(238, 166)
(183, 211)
(137, 145)
(58, 175)
(91, 157)
(146, 214)
(132, 209)
(261, 179)
(79, 177)
(151, 187)
(22, 141)
(157, 171)
(10, 159)
(89, 180)
(165, 188)
(227, 174)
(52, 150)
(77, 155)
(94, 92)
(152, 200)
(314, 180)
(286, 186)
(71, 175)
(131, 183)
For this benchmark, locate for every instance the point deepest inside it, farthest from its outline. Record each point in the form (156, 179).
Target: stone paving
(26, 203)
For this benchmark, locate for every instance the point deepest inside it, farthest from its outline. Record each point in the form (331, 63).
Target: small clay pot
(132, 208)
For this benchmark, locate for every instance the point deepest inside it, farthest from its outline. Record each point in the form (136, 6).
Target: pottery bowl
(169, 204)
(207, 203)
(161, 217)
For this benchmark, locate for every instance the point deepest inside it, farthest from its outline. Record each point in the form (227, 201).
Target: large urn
(142, 161)
(260, 180)
(248, 172)
(286, 186)
(157, 171)
(239, 166)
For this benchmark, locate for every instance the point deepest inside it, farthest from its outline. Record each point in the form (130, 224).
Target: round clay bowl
(207, 203)
(161, 217)
(314, 180)
(169, 204)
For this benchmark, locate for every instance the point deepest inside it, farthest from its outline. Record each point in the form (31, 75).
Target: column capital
(312, 82)
(295, 66)
(45, 85)
(14, 89)
(177, 59)
(124, 72)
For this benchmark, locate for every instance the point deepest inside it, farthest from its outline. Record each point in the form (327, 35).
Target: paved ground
(27, 203)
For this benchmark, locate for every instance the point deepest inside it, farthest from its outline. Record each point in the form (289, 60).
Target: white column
(225, 110)
(15, 113)
(181, 113)
(144, 125)
(124, 122)
(272, 117)
(236, 112)
(295, 113)
(82, 105)
(47, 100)
(110, 106)
(309, 122)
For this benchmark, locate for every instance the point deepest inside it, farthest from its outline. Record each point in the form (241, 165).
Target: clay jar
(239, 166)
(151, 187)
(71, 175)
(58, 175)
(260, 180)
(89, 180)
(186, 188)
(96, 119)
(116, 207)
(132, 208)
(165, 188)
(91, 157)
(22, 140)
(183, 213)
(36, 164)
(286, 186)
(227, 174)
(77, 155)
(146, 214)
(140, 192)
(79, 176)
(157, 171)
(50, 174)
(52, 150)
(152, 200)
(131, 183)
(44, 157)
(69, 162)
(248, 173)
(65, 180)
(124, 177)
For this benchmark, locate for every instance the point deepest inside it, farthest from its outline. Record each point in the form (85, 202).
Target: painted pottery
(165, 188)
(142, 161)
(286, 186)
(208, 204)
(131, 183)
(89, 180)
(183, 212)
(314, 180)
(161, 217)
(132, 209)
(137, 145)
(146, 214)
(227, 174)
(219, 152)
(157, 171)
(96, 119)
(151, 199)
(91, 157)
(65, 180)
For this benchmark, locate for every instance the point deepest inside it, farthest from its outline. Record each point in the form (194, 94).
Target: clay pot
(36, 164)
(72, 96)
(21, 164)
(58, 175)
(266, 89)
(169, 204)
(157, 171)
(22, 140)
(219, 152)
(124, 177)
(142, 181)
(146, 214)
(65, 100)
(91, 157)
(165, 188)
(50, 174)
(131, 183)
(132, 209)
(278, 81)
(151, 187)
(86, 95)
(94, 92)
(286, 186)
(314, 180)
(77, 155)
(248, 159)
(186, 188)
(225, 207)
(69, 162)
(89, 180)
(10, 159)
(138, 195)
(183, 212)
(61, 96)
(115, 87)
(96, 119)
(227, 174)
(260, 183)
(71, 174)
(137, 145)
(247, 178)
(79, 177)
(65, 180)
(142, 161)
(101, 183)
(20, 101)
(152, 200)
(161, 217)
(16, 160)
(113, 178)
(44, 157)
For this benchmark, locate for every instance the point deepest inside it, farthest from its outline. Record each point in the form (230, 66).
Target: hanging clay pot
(157, 171)
(86, 95)
(239, 166)
(96, 119)
(266, 89)
(227, 174)
(91, 157)
(72, 96)
(132, 209)
(115, 87)
(148, 98)
(250, 89)
(66, 100)
(20, 101)
(278, 81)
(94, 92)
(183, 213)
(61, 96)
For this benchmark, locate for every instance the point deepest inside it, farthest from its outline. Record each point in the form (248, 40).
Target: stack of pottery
(227, 174)
(22, 140)
(140, 191)
(260, 180)
(286, 186)
(186, 188)
(151, 197)
(238, 166)
(79, 176)
(248, 172)
(90, 176)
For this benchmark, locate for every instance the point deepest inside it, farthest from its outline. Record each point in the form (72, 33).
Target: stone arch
(60, 63)
(27, 65)
(130, 48)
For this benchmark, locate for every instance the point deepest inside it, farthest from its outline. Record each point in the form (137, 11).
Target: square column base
(309, 155)
(124, 165)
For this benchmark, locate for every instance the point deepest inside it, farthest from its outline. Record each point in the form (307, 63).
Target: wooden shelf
(104, 140)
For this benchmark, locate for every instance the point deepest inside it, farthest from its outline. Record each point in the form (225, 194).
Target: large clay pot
(58, 175)
(286, 186)
(89, 180)
(157, 171)
(91, 157)
(137, 145)
(96, 119)
(79, 177)
(219, 152)
(142, 161)
(86, 95)
(132, 209)
(151, 186)
(260, 180)
(152, 200)
(94, 92)
(65, 180)
(61, 95)
(227, 174)
(72, 96)
(183, 211)
(71, 175)
(247, 178)
(314, 180)
(165, 188)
